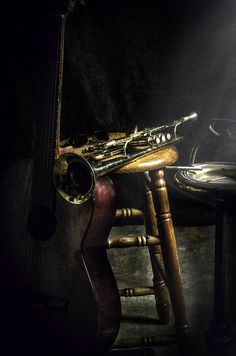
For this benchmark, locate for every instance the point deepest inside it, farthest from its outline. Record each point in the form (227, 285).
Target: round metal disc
(213, 177)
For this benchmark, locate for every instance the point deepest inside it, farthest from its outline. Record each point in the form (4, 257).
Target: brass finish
(160, 289)
(74, 176)
(136, 292)
(132, 241)
(145, 140)
(145, 341)
(169, 250)
(66, 148)
(154, 160)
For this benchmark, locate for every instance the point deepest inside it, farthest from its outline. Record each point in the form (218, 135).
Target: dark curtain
(126, 63)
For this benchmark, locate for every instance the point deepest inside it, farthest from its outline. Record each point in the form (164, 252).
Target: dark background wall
(126, 63)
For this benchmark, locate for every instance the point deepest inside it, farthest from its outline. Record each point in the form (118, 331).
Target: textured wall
(131, 62)
(127, 62)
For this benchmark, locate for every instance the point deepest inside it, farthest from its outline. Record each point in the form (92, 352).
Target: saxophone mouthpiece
(191, 116)
(135, 129)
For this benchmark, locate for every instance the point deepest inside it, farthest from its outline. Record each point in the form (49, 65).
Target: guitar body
(58, 292)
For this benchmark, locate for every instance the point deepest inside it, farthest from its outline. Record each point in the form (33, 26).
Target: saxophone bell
(74, 178)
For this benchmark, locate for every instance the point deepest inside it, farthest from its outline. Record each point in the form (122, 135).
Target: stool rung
(132, 241)
(129, 213)
(136, 291)
(129, 216)
(145, 341)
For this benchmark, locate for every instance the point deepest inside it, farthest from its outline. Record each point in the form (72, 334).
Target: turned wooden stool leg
(159, 286)
(169, 251)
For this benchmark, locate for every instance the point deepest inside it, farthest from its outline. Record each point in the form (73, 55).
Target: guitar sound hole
(41, 223)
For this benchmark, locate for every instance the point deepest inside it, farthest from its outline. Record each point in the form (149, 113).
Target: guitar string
(49, 139)
(51, 134)
(44, 162)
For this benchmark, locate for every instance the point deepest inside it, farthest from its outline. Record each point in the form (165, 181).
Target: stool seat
(152, 161)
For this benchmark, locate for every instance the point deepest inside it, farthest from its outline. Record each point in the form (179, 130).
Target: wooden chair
(160, 240)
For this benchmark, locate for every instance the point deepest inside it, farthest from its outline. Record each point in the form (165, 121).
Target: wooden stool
(160, 239)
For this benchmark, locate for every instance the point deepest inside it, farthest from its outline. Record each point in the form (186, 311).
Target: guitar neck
(47, 130)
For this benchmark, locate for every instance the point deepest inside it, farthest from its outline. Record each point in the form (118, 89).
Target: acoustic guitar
(58, 292)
